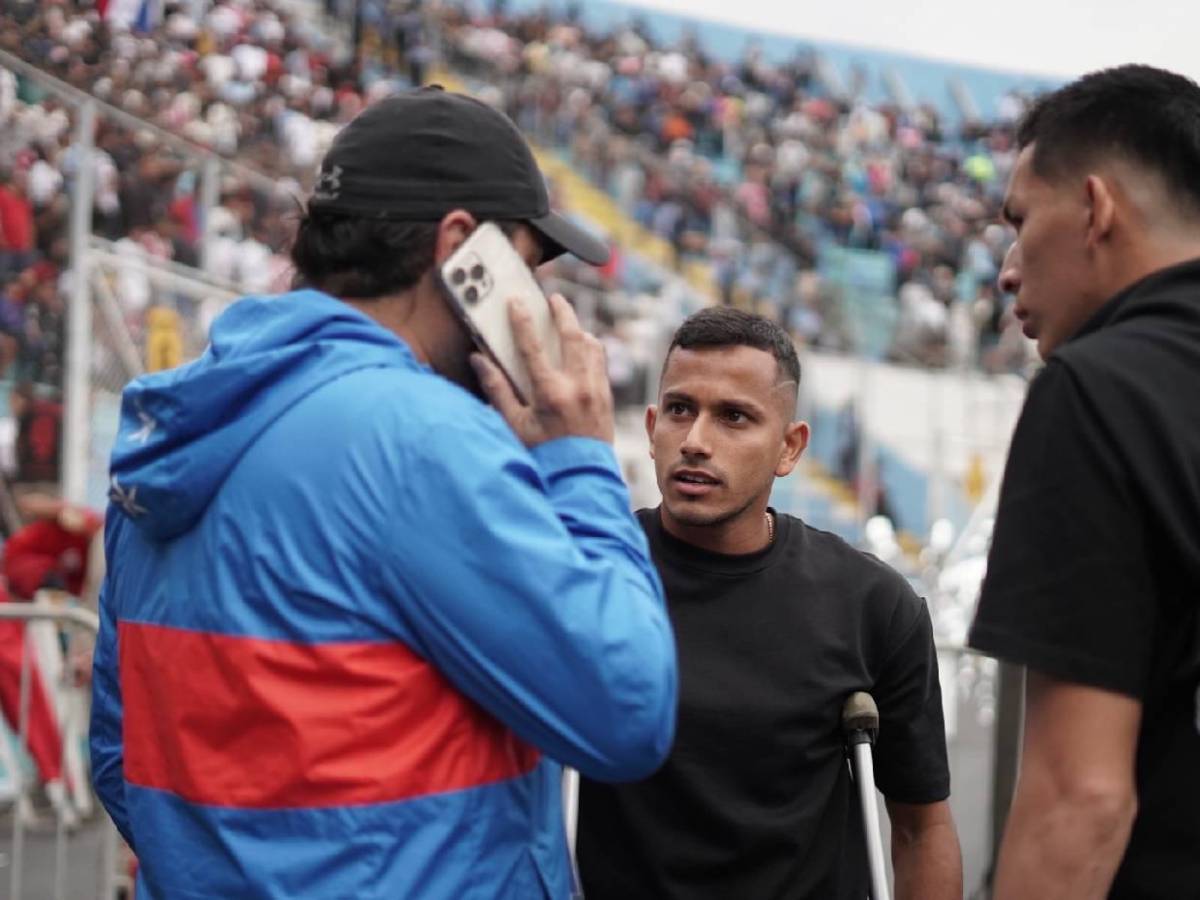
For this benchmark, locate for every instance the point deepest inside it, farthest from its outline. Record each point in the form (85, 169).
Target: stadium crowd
(753, 166)
(759, 167)
(245, 79)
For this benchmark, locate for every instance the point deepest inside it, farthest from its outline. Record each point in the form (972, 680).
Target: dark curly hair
(356, 257)
(361, 258)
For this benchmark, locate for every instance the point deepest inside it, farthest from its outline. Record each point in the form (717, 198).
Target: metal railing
(999, 687)
(87, 252)
(81, 620)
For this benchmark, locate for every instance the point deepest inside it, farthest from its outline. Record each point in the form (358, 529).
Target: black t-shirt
(755, 800)
(1094, 572)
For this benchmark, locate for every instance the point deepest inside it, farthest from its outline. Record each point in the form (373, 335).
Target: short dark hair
(352, 256)
(724, 326)
(1149, 116)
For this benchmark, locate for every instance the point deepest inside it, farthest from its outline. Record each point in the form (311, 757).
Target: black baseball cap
(417, 155)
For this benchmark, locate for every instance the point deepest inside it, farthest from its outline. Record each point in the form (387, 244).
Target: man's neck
(422, 319)
(1153, 254)
(748, 532)
(396, 313)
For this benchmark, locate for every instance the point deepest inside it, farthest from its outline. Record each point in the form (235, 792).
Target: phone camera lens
(458, 276)
(471, 294)
(476, 272)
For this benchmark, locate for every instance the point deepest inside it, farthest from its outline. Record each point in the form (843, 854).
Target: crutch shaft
(864, 778)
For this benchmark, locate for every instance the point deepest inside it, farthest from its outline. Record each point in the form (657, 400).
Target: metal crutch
(860, 723)
(570, 789)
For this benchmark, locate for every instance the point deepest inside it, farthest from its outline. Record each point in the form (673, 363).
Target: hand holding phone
(574, 400)
(479, 278)
(538, 367)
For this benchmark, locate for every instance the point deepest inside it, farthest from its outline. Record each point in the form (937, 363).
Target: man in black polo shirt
(1094, 576)
(776, 624)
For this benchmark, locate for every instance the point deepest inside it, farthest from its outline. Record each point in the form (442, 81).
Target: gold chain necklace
(770, 528)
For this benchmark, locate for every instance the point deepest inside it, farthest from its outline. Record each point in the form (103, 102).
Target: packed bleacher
(760, 169)
(244, 79)
(754, 168)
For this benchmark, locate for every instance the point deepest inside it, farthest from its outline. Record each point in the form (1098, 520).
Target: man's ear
(454, 228)
(795, 440)
(1102, 209)
(651, 418)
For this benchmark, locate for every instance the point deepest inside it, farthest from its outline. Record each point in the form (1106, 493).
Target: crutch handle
(860, 718)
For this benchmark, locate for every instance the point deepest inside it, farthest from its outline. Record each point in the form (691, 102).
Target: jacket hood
(182, 431)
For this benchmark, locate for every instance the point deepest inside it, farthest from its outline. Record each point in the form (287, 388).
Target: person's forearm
(1063, 850)
(928, 864)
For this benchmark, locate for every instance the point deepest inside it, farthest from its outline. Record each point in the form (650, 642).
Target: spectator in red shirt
(16, 225)
(43, 739)
(52, 550)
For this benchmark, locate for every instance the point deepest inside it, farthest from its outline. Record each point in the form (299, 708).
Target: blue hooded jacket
(349, 621)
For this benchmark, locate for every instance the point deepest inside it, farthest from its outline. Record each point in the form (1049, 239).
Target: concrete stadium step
(82, 872)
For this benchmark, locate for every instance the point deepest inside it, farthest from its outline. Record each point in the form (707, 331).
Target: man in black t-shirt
(1093, 580)
(776, 624)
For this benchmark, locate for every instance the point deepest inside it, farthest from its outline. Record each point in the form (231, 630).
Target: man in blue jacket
(355, 618)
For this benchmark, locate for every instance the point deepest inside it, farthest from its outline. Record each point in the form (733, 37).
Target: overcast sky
(1051, 37)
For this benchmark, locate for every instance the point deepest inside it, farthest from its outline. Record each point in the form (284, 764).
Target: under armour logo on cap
(329, 184)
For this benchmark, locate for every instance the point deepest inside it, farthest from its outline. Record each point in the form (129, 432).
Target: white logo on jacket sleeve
(126, 499)
(142, 435)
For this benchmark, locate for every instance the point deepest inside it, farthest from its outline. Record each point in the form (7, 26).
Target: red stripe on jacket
(248, 722)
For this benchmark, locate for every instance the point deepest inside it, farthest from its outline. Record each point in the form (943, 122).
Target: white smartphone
(480, 277)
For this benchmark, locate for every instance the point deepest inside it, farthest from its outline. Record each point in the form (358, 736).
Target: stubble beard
(688, 514)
